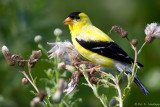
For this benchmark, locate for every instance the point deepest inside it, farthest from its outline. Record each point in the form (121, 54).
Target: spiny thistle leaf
(126, 93)
(120, 76)
(95, 90)
(104, 98)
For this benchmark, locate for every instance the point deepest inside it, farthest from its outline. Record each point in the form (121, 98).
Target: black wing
(108, 49)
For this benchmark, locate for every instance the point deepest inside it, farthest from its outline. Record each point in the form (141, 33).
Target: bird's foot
(92, 70)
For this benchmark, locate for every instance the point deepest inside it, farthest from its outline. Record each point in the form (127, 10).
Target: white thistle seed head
(152, 30)
(64, 50)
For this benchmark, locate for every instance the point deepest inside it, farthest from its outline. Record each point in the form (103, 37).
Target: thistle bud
(7, 56)
(57, 97)
(112, 102)
(58, 32)
(24, 81)
(37, 38)
(134, 42)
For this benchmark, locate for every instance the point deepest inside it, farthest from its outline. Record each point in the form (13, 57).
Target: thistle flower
(152, 32)
(34, 58)
(64, 50)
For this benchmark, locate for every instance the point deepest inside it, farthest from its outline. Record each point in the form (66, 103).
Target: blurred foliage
(21, 20)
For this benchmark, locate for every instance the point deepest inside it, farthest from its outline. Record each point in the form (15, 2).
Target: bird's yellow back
(84, 29)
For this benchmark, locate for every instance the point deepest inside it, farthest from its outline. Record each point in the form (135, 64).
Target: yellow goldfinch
(96, 46)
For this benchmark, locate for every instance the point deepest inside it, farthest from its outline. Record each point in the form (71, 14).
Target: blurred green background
(21, 20)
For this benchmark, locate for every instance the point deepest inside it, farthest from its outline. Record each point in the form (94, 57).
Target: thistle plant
(64, 58)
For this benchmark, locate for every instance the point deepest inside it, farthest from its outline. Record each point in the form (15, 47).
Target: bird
(96, 46)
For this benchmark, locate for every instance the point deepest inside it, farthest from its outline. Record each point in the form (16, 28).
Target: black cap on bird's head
(72, 16)
(76, 19)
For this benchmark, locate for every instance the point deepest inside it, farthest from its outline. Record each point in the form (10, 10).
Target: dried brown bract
(94, 80)
(120, 31)
(7, 56)
(21, 61)
(34, 58)
(149, 39)
(73, 82)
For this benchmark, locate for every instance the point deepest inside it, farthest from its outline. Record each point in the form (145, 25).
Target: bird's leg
(81, 62)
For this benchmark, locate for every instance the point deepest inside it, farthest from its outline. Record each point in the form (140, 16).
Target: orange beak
(68, 21)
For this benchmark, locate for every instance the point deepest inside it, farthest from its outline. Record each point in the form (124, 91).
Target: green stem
(43, 50)
(142, 47)
(119, 92)
(30, 74)
(135, 61)
(24, 73)
(116, 86)
(93, 88)
(65, 103)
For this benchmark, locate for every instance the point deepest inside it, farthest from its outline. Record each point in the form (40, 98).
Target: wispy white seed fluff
(5, 49)
(63, 50)
(152, 30)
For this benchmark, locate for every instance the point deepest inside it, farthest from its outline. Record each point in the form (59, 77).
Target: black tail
(139, 64)
(141, 86)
